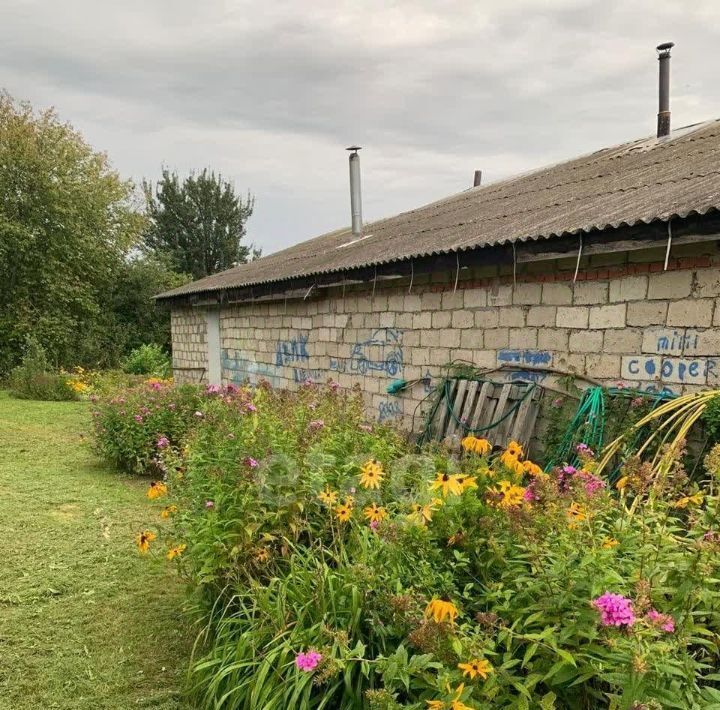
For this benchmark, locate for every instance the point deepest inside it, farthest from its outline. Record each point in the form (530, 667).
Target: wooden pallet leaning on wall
(481, 403)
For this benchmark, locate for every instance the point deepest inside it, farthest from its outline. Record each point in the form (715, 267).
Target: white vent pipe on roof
(355, 191)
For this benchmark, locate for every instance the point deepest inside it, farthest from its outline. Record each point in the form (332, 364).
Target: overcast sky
(270, 93)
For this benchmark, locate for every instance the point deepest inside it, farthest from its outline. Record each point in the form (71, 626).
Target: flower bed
(337, 568)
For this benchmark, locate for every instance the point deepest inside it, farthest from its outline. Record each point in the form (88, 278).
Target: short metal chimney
(663, 119)
(477, 178)
(355, 191)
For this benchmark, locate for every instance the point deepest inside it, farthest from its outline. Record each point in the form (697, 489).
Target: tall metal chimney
(663, 119)
(355, 191)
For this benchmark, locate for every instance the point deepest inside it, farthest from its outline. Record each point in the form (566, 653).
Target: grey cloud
(271, 95)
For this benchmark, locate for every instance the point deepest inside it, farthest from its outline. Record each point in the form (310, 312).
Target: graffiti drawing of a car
(382, 351)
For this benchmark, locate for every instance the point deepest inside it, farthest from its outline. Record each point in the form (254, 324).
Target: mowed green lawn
(85, 622)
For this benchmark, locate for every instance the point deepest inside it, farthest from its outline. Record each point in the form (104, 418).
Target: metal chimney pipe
(663, 118)
(355, 191)
(477, 178)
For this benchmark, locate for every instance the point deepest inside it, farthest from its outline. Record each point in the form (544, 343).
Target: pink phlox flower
(636, 402)
(251, 407)
(593, 484)
(664, 621)
(615, 610)
(251, 462)
(213, 389)
(366, 428)
(155, 386)
(584, 450)
(374, 525)
(334, 386)
(138, 418)
(163, 442)
(530, 493)
(316, 424)
(712, 537)
(308, 661)
(569, 470)
(209, 504)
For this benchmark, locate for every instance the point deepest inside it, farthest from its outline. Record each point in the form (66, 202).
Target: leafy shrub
(335, 568)
(34, 378)
(148, 359)
(131, 428)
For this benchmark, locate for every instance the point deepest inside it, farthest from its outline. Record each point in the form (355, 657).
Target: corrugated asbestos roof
(639, 182)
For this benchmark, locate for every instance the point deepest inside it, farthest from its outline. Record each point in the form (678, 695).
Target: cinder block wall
(624, 319)
(188, 330)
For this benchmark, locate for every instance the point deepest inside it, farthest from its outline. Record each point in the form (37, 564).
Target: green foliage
(278, 568)
(198, 223)
(129, 426)
(33, 378)
(129, 317)
(66, 224)
(711, 421)
(149, 359)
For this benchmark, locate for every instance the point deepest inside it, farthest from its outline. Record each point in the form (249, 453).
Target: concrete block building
(606, 265)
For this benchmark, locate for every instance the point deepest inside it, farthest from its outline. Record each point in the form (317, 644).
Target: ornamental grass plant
(332, 566)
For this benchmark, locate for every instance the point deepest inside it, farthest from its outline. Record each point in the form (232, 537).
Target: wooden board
(480, 405)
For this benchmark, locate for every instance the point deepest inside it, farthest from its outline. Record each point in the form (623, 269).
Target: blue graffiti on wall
(242, 369)
(337, 365)
(390, 409)
(525, 357)
(381, 352)
(302, 374)
(293, 350)
(676, 341)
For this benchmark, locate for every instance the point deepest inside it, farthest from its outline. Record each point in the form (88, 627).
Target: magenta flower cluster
(163, 442)
(593, 484)
(584, 451)
(316, 424)
(615, 610)
(251, 462)
(308, 661)
(664, 621)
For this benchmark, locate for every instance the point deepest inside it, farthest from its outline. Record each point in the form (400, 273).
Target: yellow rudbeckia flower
(466, 482)
(157, 490)
(168, 511)
(328, 497)
(343, 513)
(478, 666)
(375, 513)
(371, 475)
(446, 483)
(143, 540)
(176, 551)
(439, 610)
